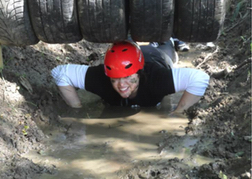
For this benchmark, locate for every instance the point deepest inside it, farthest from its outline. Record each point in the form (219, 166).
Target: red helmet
(123, 59)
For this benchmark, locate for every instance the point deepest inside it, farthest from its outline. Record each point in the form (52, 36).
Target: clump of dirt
(221, 120)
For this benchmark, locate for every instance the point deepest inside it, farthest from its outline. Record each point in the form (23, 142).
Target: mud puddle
(105, 144)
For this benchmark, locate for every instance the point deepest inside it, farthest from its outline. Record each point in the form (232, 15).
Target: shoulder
(96, 70)
(69, 69)
(155, 68)
(189, 73)
(96, 78)
(70, 74)
(159, 78)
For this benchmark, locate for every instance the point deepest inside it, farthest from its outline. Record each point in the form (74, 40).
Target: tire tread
(15, 26)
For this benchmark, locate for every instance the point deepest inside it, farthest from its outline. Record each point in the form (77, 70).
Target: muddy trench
(42, 138)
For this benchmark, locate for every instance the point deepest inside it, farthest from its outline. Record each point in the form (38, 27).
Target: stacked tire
(199, 20)
(15, 25)
(26, 22)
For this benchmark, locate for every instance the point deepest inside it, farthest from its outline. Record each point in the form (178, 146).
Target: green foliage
(243, 38)
(249, 75)
(237, 9)
(1, 60)
(238, 154)
(59, 59)
(24, 131)
(222, 175)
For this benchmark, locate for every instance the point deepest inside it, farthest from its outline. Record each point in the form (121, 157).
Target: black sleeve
(163, 81)
(96, 81)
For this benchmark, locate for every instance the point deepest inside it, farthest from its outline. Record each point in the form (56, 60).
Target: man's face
(126, 87)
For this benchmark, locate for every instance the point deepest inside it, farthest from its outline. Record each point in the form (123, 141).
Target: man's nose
(121, 81)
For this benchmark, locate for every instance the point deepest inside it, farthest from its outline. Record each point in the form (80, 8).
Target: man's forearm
(186, 101)
(70, 96)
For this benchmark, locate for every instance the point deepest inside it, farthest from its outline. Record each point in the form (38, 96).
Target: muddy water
(101, 142)
(103, 147)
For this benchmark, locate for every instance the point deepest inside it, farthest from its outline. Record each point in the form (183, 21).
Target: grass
(237, 9)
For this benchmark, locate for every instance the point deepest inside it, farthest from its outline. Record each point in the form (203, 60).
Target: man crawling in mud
(133, 76)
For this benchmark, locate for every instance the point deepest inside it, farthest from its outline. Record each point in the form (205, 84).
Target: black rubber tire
(199, 20)
(103, 21)
(151, 20)
(55, 21)
(15, 26)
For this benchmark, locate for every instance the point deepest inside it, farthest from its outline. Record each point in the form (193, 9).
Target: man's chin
(124, 95)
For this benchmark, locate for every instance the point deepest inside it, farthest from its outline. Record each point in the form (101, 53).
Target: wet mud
(41, 137)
